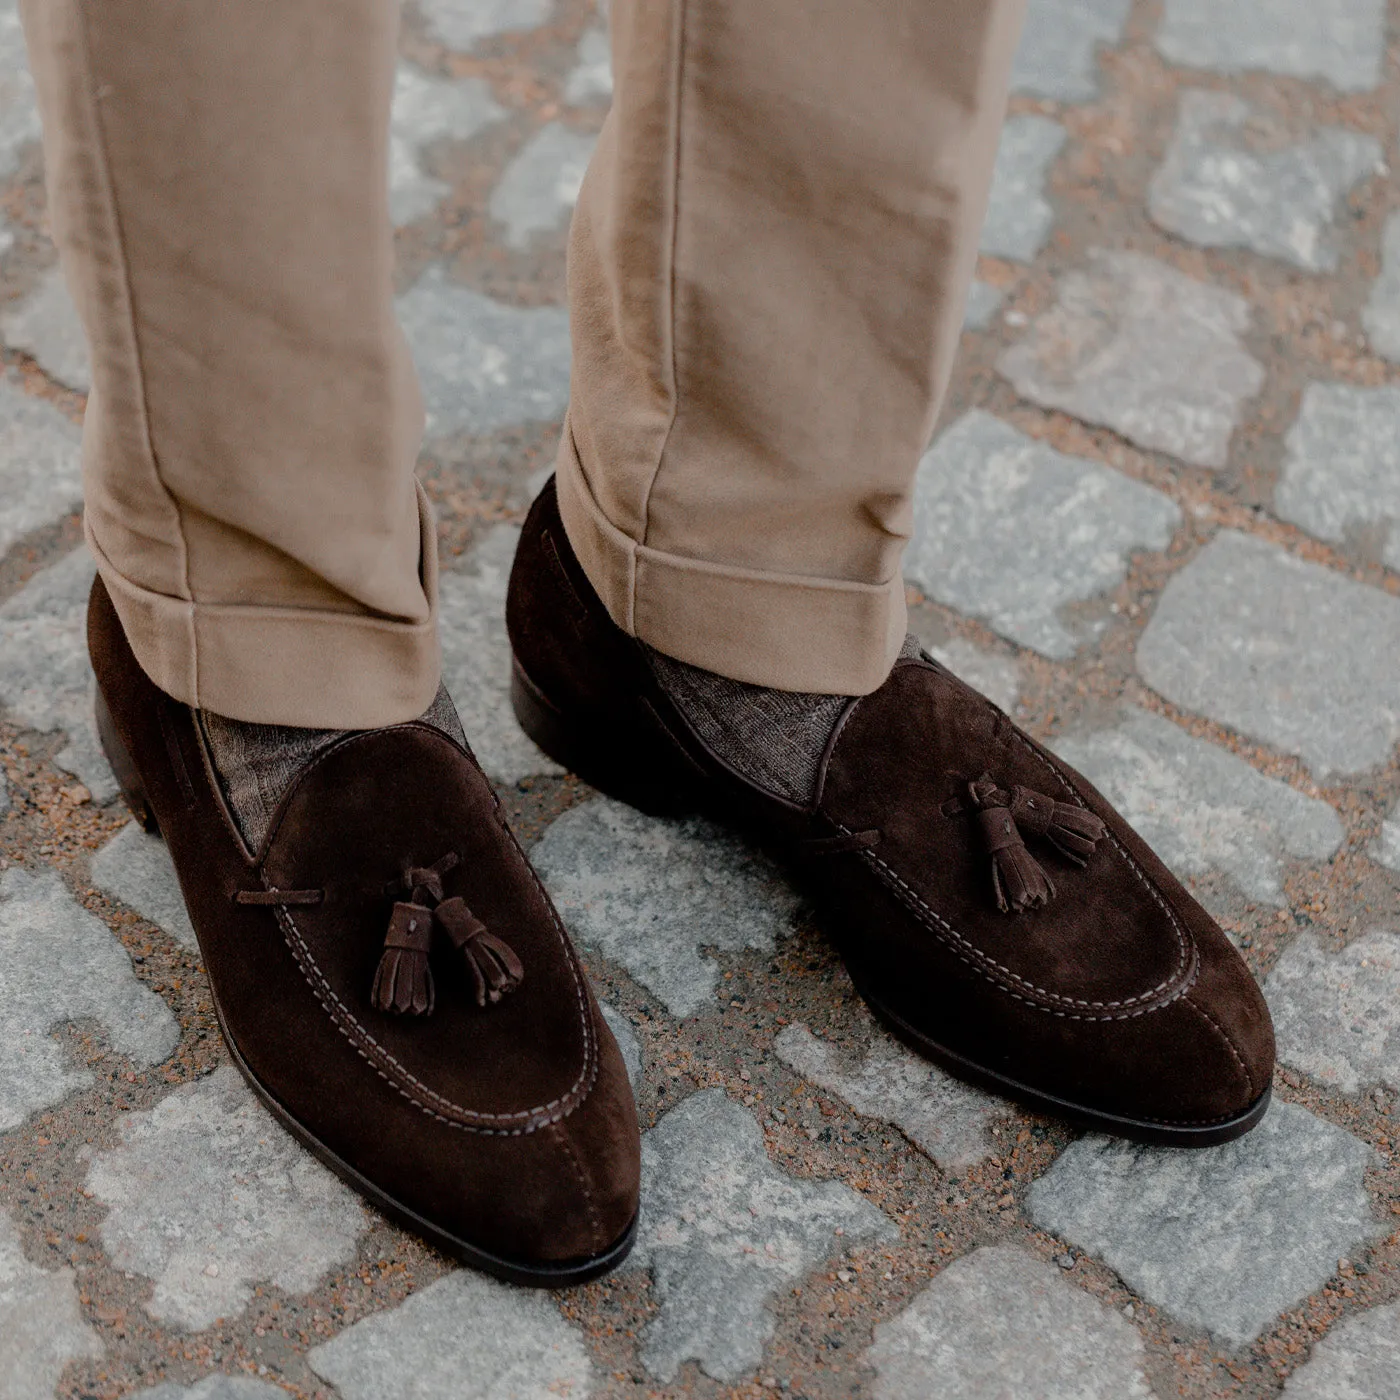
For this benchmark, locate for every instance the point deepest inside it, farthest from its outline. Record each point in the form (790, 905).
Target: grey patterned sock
(775, 738)
(257, 763)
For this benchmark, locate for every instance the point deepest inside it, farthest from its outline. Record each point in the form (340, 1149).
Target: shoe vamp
(907, 753)
(361, 814)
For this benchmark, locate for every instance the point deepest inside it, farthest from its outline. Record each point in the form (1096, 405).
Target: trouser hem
(825, 636)
(296, 666)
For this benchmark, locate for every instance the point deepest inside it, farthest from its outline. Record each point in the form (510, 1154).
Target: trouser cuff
(825, 636)
(268, 665)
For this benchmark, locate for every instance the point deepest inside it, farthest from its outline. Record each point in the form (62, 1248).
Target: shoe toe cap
(1199, 1063)
(558, 1193)
(1223, 1038)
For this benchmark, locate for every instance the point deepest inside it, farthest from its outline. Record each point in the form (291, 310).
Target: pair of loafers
(395, 984)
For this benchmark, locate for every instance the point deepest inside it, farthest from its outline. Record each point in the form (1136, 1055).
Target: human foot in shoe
(388, 972)
(992, 908)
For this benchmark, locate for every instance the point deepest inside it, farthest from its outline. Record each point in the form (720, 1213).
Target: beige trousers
(766, 282)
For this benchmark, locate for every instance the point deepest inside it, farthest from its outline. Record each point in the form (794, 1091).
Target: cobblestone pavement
(1160, 521)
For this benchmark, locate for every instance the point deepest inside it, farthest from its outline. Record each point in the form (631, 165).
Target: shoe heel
(128, 779)
(619, 765)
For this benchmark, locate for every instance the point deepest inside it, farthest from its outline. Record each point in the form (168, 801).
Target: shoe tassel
(1019, 881)
(403, 981)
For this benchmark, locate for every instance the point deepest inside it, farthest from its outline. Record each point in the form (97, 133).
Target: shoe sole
(563, 1275)
(1146, 1130)
(616, 769)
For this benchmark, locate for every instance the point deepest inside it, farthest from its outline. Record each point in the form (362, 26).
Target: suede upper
(1111, 995)
(507, 1128)
(1120, 987)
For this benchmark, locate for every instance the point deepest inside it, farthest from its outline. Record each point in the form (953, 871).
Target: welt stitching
(912, 897)
(1183, 940)
(1229, 1043)
(978, 962)
(1190, 1122)
(358, 1036)
(593, 1218)
(314, 974)
(427, 1112)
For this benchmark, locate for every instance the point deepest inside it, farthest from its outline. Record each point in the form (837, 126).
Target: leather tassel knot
(1018, 879)
(403, 981)
(1072, 830)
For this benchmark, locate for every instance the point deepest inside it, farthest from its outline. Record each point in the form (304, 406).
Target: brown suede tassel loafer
(395, 984)
(993, 909)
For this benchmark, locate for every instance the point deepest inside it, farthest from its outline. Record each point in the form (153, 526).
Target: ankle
(257, 763)
(775, 738)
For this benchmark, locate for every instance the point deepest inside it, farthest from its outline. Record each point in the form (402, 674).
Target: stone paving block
(1288, 652)
(215, 1388)
(1231, 180)
(135, 867)
(41, 1328)
(946, 1118)
(1381, 314)
(1019, 216)
(539, 188)
(19, 112)
(1142, 349)
(999, 1322)
(997, 677)
(1058, 55)
(82, 973)
(466, 1337)
(1359, 1359)
(460, 23)
(1341, 471)
(1342, 41)
(592, 78)
(484, 365)
(45, 326)
(723, 1231)
(1202, 808)
(983, 302)
(1009, 530)
(1224, 1238)
(1337, 1015)
(1386, 849)
(476, 658)
(46, 681)
(40, 464)
(627, 1042)
(207, 1196)
(651, 894)
(428, 109)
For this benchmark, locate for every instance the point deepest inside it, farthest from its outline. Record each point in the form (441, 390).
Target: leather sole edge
(1144, 1130)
